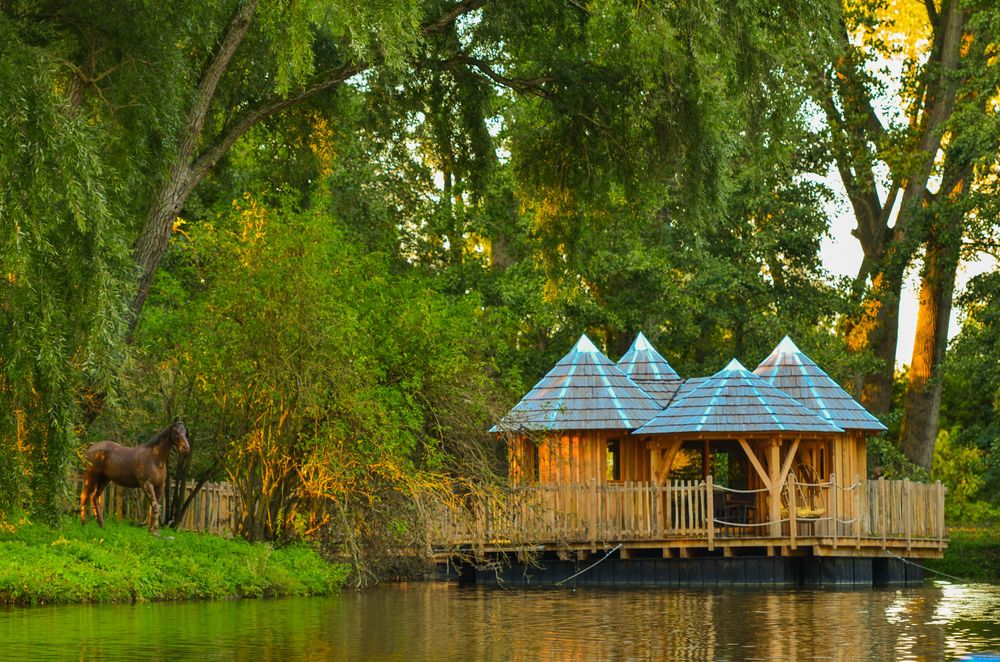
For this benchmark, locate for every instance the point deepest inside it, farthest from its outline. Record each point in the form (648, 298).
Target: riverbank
(973, 554)
(123, 563)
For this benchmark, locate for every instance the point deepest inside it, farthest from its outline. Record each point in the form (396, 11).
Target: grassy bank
(123, 563)
(973, 554)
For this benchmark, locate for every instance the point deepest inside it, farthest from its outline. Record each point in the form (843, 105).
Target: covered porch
(760, 481)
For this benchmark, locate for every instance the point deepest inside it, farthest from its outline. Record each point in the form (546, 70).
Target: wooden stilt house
(773, 460)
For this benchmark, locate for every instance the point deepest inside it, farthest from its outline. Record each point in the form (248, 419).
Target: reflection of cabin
(773, 459)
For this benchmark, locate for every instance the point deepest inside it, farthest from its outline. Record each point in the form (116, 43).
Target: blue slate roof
(799, 376)
(584, 391)
(735, 400)
(647, 368)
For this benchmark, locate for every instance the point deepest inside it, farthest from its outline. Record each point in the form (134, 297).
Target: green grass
(123, 563)
(973, 554)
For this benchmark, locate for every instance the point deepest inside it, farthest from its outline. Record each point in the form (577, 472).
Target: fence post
(883, 523)
(834, 515)
(710, 512)
(668, 508)
(907, 510)
(939, 511)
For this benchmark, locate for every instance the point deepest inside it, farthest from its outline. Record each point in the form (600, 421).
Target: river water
(437, 621)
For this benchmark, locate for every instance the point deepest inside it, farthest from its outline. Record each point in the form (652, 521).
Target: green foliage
(62, 272)
(885, 460)
(337, 390)
(973, 554)
(962, 470)
(970, 410)
(122, 563)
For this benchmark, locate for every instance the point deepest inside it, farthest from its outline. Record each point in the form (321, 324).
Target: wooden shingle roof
(799, 376)
(735, 400)
(647, 368)
(584, 391)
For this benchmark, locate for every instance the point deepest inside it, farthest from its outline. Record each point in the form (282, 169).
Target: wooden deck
(685, 518)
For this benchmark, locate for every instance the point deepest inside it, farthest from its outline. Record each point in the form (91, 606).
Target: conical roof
(584, 391)
(798, 375)
(736, 400)
(647, 368)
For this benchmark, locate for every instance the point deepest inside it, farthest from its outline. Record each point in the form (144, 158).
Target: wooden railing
(598, 514)
(212, 509)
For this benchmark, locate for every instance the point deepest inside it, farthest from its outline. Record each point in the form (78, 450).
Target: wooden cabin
(575, 425)
(769, 461)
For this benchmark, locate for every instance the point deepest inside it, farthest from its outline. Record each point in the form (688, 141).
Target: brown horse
(142, 466)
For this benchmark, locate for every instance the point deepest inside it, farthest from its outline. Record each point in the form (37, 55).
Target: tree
(962, 209)
(864, 144)
(63, 271)
(341, 394)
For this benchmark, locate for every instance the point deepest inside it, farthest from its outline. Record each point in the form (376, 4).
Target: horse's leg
(97, 501)
(154, 506)
(88, 486)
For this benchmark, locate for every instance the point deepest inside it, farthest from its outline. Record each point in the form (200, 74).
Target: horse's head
(179, 436)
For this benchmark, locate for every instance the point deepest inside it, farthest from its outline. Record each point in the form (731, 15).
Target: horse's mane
(156, 438)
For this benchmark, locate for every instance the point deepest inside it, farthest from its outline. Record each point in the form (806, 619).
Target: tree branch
(244, 122)
(214, 69)
(932, 14)
(532, 86)
(452, 15)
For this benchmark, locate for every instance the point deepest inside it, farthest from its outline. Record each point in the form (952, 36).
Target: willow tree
(63, 273)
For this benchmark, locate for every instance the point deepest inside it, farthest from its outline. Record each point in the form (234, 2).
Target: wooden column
(774, 496)
(792, 524)
(710, 511)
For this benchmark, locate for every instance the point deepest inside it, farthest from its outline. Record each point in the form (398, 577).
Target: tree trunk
(937, 288)
(923, 396)
(152, 243)
(877, 329)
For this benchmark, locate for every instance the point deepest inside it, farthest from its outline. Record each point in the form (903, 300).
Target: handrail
(602, 514)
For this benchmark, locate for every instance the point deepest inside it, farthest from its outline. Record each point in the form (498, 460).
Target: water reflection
(442, 622)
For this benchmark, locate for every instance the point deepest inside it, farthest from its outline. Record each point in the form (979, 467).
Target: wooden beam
(788, 462)
(668, 459)
(755, 462)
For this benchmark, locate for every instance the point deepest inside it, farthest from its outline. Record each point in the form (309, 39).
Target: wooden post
(792, 524)
(881, 508)
(939, 511)
(907, 510)
(857, 511)
(668, 524)
(774, 475)
(710, 512)
(833, 507)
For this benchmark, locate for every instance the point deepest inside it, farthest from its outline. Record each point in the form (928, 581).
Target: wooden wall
(577, 457)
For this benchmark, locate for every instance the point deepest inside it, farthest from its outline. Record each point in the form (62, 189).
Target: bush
(123, 563)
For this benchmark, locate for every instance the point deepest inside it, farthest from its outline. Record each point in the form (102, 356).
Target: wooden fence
(213, 508)
(552, 513)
